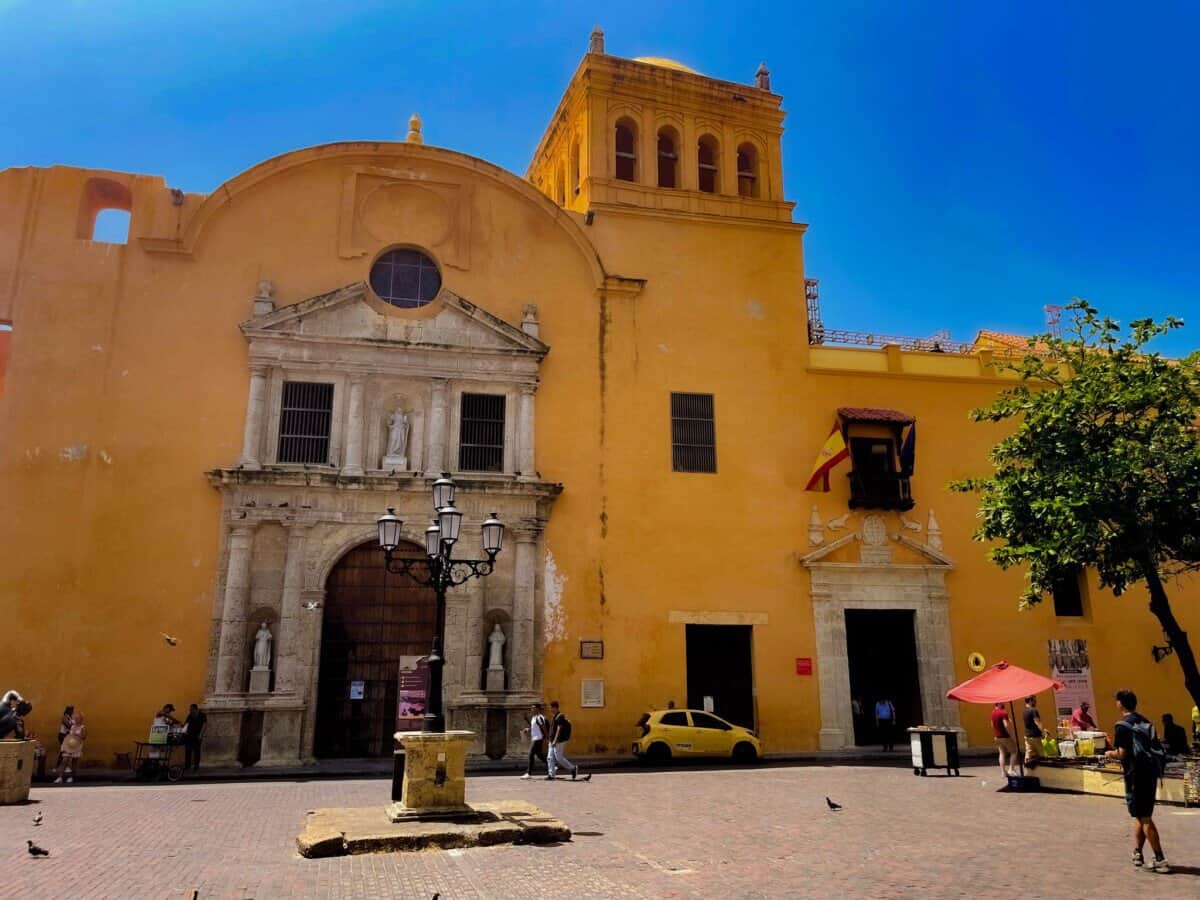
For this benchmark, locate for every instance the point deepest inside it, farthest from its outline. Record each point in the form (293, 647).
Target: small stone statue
(262, 647)
(397, 434)
(497, 641)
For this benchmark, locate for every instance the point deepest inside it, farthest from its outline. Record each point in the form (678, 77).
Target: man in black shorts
(1133, 735)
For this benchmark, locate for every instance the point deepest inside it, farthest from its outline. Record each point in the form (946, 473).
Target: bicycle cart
(154, 759)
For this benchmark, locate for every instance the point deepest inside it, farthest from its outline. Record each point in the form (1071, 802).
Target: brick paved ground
(717, 832)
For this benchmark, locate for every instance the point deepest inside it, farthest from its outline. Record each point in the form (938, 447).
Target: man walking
(193, 733)
(1033, 733)
(1136, 746)
(1006, 744)
(538, 729)
(560, 733)
(885, 722)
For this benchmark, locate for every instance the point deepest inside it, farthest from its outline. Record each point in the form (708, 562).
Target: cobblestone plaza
(712, 832)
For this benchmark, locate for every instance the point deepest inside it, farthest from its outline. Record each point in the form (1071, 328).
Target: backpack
(564, 729)
(1148, 751)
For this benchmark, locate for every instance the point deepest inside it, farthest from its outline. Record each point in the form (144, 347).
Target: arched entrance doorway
(373, 622)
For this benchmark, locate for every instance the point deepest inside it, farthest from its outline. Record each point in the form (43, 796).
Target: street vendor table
(934, 748)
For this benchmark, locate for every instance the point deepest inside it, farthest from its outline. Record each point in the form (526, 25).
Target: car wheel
(745, 752)
(658, 754)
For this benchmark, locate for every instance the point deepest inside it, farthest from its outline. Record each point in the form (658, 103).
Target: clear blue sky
(960, 164)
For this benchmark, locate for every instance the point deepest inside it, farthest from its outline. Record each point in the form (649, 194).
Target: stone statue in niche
(260, 675)
(495, 669)
(396, 456)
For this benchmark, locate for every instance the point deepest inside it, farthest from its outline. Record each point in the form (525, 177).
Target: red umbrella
(1003, 683)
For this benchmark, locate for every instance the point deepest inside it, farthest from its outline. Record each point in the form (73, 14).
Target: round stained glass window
(405, 278)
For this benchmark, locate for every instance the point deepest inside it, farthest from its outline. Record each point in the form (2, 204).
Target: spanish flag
(831, 454)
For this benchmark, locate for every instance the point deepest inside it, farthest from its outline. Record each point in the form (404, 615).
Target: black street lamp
(440, 572)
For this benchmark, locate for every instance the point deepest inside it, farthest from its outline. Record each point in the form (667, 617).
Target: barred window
(481, 434)
(693, 433)
(304, 421)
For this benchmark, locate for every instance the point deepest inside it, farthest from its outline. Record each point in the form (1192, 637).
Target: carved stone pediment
(344, 317)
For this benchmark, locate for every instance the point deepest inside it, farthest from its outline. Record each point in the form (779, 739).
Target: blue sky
(959, 164)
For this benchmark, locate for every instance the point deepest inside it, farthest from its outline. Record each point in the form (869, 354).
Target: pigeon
(37, 820)
(174, 642)
(833, 806)
(839, 522)
(312, 604)
(35, 850)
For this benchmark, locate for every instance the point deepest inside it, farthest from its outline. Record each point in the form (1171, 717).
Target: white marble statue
(262, 647)
(497, 640)
(397, 444)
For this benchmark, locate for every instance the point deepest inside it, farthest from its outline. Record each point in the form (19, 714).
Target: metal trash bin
(934, 748)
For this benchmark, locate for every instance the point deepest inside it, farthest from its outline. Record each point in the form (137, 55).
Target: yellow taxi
(667, 734)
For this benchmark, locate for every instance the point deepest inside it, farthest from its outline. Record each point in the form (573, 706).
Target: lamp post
(440, 571)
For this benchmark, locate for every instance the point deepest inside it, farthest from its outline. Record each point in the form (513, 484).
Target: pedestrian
(538, 731)
(12, 719)
(885, 723)
(1033, 733)
(166, 715)
(72, 748)
(1081, 719)
(64, 728)
(1135, 746)
(1174, 736)
(560, 733)
(193, 734)
(1006, 744)
(10, 700)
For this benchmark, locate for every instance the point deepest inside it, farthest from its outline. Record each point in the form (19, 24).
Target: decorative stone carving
(260, 675)
(838, 523)
(263, 302)
(414, 130)
(762, 77)
(910, 524)
(875, 547)
(397, 444)
(933, 532)
(816, 530)
(596, 41)
(529, 320)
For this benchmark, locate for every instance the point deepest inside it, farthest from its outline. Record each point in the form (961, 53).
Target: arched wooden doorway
(372, 621)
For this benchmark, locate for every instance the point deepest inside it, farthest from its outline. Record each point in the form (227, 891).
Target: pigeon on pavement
(37, 820)
(833, 806)
(35, 850)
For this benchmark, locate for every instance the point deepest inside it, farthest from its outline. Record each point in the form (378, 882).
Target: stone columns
(435, 440)
(231, 650)
(524, 600)
(354, 430)
(288, 656)
(526, 466)
(255, 412)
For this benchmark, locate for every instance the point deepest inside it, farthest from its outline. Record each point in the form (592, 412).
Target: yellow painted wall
(127, 381)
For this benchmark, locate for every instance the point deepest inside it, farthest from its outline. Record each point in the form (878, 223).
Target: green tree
(1102, 467)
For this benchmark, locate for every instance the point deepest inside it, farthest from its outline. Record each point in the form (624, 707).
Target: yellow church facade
(619, 353)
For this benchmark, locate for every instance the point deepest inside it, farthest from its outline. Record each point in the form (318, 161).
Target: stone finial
(529, 320)
(762, 77)
(596, 41)
(414, 130)
(263, 302)
(816, 528)
(933, 532)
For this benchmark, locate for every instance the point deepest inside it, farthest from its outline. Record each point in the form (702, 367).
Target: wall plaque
(591, 692)
(591, 649)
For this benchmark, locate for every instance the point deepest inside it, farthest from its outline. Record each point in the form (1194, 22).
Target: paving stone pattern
(715, 832)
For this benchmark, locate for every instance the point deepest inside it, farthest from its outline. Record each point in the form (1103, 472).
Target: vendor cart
(933, 748)
(154, 760)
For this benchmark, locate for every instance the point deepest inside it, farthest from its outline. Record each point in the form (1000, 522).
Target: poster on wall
(1069, 664)
(412, 691)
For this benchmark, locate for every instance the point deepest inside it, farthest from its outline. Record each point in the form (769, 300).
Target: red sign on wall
(803, 665)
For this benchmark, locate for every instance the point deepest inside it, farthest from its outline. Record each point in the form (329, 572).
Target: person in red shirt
(1081, 719)
(1006, 744)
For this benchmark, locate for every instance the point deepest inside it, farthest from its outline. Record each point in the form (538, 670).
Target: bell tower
(654, 134)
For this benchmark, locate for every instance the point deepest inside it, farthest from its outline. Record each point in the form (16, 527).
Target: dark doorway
(719, 666)
(881, 646)
(372, 621)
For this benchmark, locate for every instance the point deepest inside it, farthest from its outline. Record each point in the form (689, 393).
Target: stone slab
(342, 831)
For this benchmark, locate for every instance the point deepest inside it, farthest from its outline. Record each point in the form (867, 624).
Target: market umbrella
(1004, 683)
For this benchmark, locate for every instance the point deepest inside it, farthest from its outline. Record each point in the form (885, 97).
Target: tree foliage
(1102, 468)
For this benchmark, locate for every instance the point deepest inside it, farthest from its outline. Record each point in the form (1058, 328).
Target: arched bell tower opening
(375, 624)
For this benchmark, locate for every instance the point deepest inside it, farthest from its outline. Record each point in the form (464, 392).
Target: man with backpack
(1143, 760)
(560, 733)
(538, 729)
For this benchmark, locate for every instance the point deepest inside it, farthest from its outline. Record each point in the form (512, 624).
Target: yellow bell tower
(655, 134)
